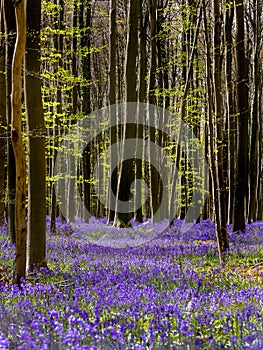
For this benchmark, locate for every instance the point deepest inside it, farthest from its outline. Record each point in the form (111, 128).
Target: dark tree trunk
(112, 100)
(10, 28)
(229, 16)
(3, 123)
(222, 238)
(127, 176)
(85, 42)
(138, 215)
(254, 138)
(58, 44)
(153, 155)
(16, 129)
(221, 194)
(36, 243)
(242, 117)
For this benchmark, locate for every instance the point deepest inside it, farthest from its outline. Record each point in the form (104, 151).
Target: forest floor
(167, 293)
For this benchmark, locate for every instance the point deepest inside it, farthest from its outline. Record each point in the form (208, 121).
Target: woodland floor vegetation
(168, 293)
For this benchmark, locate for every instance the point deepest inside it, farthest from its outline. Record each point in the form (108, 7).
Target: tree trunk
(57, 128)
(153, 155)
(221, 194)
(10, 28)
(2, 119)
(36, 243)
(254, 140)
(112, 100)
(222, 239)
(260, 157)
(16, 129)
(230, 110)
(138, 215)
(85, 42)
(126, 176)
(242, 112)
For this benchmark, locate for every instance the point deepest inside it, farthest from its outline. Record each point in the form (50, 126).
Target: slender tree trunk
(230, 110)
(138, 216)
(242, 112)
(36, 243)
(85, 42)
(260, 160)
(58, 43)
(2, 118)
(112, 100)
(221, 194)
(153, 155)
(10, 28)
(184, 63)
(222, 239)
(254, 140)
(73, 99)
(16, 128)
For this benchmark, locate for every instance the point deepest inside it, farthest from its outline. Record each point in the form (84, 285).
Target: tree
(36, 241)
(57, 125)
(222, 238)
(2, 117)
(126, 176)
(85, 42)
(112, 100)
(154, 178)
(221, 191)
(254, 135)
(10, 30)
(16, 130)
(229, 16)
(144, 19)
(243, 113)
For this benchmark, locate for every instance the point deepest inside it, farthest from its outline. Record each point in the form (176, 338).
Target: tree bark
(221, 193)
(222, 238)
(3, 123)
(138, 215)
(57, 131)
(229, 16)
(36, 243)
(254, 138)
(85, 21)
(112, 100)
(243, 113)
(127, 176)
(10, 29)
(16, 130)
(154, 177)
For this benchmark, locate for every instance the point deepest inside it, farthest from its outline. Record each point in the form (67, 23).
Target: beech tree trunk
(222, 238)
(152, 154)
(138, 215)
(112, 100)
(221, 190)
(16, 130)
(85, 42)
(2, 119)
(36, 243)
(242, 117)
(10, 27)
(229, 16)
(254, 138)
(127, 170)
